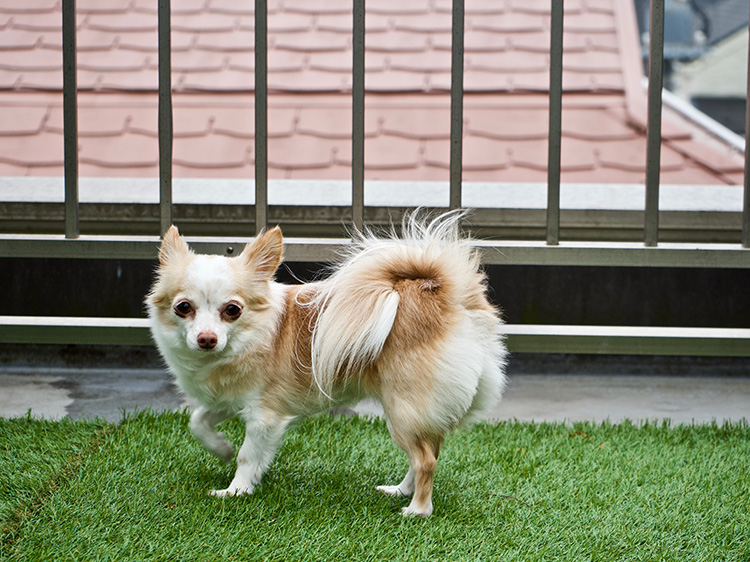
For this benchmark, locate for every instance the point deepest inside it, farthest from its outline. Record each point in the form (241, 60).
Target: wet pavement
(541, 388)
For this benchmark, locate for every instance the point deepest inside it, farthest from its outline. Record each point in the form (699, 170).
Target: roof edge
(630, 52)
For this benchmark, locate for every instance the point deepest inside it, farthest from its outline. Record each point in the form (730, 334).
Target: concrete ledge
(608, 340)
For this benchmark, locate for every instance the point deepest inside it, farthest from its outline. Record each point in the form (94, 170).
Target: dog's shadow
(306, 472)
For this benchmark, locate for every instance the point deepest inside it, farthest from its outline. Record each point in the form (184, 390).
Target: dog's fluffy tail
(359, 301)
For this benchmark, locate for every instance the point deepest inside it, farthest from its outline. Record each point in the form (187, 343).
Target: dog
(402, 319)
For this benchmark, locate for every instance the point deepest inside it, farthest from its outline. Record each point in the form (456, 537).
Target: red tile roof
(310, 59)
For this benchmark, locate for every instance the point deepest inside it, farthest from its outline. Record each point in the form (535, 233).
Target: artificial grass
(91, 490)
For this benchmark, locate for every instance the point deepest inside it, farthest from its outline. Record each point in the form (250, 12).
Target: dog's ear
(172, 246)
(264, 254)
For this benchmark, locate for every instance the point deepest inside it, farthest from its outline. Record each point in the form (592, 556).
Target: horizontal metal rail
(612, 340)
(622, 254)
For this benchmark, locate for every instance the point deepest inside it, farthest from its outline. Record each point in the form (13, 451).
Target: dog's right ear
(172, 246)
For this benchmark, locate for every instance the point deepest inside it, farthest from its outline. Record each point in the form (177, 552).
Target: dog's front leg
(203, 424)
(263, 435)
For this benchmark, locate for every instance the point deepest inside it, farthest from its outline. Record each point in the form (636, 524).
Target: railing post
(555, 123)
(70, 118)
(457, 104)
(653, 158)
(165, 117)
(746, 198)
(261, 115)
(358, 115)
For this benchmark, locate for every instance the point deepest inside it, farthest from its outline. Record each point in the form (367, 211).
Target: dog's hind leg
(263, 436)
(203, 424)
(423, 455)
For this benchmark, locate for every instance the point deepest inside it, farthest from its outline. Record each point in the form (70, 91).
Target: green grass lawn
(514, 491)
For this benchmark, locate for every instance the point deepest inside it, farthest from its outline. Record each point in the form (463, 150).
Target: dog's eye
(231, 311)
(183, 309)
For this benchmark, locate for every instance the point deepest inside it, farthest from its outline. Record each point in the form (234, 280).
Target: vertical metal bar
(746, 201)
(457, 103)
(70, 118)
(358, 115)
(261, 115)
(165, 117)
(653, 158)
(555, 123)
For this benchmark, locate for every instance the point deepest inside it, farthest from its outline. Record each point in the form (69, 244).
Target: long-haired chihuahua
(401, 319)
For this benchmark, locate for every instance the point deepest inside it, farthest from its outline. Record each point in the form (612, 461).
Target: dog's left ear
(264, 254)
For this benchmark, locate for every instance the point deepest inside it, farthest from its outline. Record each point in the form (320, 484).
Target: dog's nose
(207, 340)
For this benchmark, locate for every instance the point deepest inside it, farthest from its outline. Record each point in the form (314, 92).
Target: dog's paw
(394, 491)
(231, 492)
(223, 450)
(417, 511)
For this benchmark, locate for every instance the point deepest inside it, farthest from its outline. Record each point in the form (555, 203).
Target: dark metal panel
(261, 115)
(165, 117)
(555, 123)
(457, 104)
(70, 118)
(358, 115)
(653, 157)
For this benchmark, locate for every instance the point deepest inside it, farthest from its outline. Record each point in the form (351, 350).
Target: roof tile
(306, 152)
(27, 7)
(631, 155)
(386, 152)
(506, 123)
(213, 152)
(507, 62)
(43, 21)
(318, 6)
(592, 61)
(128, 22)
(231, 78)
(16, 39)
(596, 22)
(511, 22)
(309, 80)
(326, 122)
(397, 7)
(342, 22)
(421, 22)
(610, 124)
(236, 40)
(413, 122)
(473, 7)
(422, 62)
(286, 23)
(99, 7)
(28, 121)
(143, 79)
(311, 41)
(480, 153)
(398, 41)
(131, 150)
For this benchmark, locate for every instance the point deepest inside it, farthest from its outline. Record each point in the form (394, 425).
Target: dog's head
(206, 303)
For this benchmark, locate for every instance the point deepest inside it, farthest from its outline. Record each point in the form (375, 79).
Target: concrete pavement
(541, 388)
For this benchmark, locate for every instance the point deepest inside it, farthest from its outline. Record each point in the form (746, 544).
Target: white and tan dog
(403, 320)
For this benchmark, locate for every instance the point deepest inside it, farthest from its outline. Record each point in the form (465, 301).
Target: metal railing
(551, 251)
